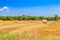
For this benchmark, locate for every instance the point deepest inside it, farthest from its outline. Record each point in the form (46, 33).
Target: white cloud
(4, 8)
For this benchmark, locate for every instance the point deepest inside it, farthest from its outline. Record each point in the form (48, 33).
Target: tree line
(26, 17)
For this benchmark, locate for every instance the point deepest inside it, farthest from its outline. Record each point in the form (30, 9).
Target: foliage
(26, 17)
(56, 17)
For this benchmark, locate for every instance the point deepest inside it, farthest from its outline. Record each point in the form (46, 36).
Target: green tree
(10, 18)
(42, 18)
(49, 18)
(3, 17)
(56, 17)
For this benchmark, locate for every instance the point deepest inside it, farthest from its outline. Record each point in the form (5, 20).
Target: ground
(34, 29)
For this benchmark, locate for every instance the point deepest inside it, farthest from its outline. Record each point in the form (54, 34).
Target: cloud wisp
(4, 8)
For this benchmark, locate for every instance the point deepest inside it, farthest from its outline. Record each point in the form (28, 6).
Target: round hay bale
(44, 21)
(30, 20)
(15, 21)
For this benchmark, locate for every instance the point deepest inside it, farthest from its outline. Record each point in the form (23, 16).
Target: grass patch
(51, 38)
(8, 36)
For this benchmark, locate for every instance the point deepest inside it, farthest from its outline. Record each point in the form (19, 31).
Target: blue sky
(30, 7)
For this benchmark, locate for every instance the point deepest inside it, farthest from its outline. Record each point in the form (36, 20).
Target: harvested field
(35, 30)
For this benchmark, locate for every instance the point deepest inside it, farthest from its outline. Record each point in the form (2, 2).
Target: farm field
(29, 30)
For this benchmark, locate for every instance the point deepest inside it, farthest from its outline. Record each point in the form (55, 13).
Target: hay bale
(44, 21)
(30, 20)
(15, 21)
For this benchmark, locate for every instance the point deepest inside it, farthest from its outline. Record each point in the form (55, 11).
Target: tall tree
(56, 17)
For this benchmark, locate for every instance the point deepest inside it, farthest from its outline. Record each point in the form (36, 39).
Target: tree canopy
(26, 17)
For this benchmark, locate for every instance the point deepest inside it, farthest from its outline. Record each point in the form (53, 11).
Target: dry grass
(32, 29)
